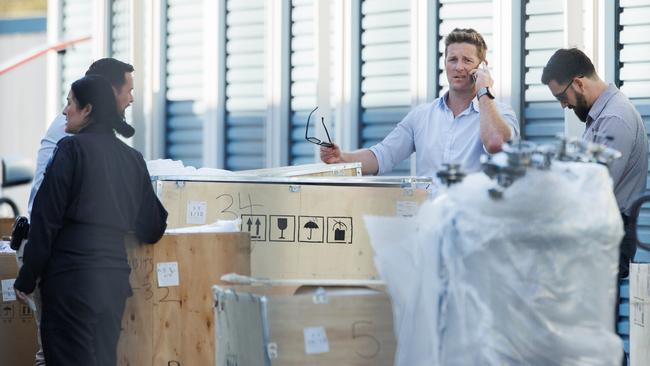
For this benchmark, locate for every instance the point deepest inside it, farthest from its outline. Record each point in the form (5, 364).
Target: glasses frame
(562, 97)
(316, 140)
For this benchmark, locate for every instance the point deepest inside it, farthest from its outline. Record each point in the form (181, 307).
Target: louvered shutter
(544, 31)
(385, 71)
(120, 45)
(303, 80)
(634, 57)
(456, 14)
(183, 81)
(76, 23)
(245, 85)
(120, 38)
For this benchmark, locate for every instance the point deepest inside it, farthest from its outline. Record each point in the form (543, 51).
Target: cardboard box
(302, 228)
(314, 327)
(168, 324)
(17, 327)
(307, 170)
(5, 227)
(639, 313)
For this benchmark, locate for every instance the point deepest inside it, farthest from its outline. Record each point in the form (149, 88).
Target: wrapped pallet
(520, 276)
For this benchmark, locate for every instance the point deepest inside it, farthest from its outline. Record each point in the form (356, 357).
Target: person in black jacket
(96, 189)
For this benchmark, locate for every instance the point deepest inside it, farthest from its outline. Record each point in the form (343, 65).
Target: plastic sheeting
(529, 279)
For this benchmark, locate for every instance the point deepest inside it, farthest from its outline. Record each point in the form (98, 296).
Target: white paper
(407, 208)
(167, 274)
(639, 310)
(5, 247)
(8, 293)
(316, 340)
(196, 212)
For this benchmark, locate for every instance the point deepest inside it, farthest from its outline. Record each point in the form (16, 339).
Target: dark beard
(581, 109)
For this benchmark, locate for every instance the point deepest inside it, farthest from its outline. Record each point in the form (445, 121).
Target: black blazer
(95, 190)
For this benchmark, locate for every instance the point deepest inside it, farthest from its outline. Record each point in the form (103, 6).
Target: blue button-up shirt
(438, 138)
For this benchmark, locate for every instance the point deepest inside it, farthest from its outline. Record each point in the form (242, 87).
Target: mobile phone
(482, 65)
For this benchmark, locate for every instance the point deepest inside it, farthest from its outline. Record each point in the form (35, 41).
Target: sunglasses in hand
(315, 140)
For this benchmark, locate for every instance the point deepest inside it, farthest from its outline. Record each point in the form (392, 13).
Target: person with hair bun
(95, 190)
(120, 75)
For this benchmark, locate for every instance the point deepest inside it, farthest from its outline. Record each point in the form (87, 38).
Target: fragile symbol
(282, 228)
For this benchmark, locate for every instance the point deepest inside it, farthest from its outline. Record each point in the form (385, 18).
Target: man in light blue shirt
(458, 127)
(119, 76)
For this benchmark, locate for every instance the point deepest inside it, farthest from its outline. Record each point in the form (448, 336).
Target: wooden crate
(307, 170)
(175, 325)
(324, 235)
(17, 326)
(258, 326)
(5, 227)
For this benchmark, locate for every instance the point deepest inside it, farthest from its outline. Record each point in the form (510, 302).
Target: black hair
(96, 91)
(565, 64)
(111, 69)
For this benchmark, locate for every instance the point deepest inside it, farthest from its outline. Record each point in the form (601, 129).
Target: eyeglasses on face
(315, 140)
(562, 97)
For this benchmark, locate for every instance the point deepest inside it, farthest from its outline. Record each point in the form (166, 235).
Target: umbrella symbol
(311, 225)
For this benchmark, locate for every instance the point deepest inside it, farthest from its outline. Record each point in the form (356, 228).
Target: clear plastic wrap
(527, 279)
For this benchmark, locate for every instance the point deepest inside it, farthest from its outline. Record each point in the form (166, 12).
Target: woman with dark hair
(96, 189)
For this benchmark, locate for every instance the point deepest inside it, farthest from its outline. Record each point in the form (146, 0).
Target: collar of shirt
(473, 106)
(600, 103)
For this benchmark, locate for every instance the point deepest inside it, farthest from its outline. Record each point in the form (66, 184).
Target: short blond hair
(467, 35)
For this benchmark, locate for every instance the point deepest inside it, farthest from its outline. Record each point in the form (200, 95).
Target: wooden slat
(176, 324)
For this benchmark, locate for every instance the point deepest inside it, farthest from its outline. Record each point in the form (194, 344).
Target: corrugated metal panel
(245, 85)
(455, 14)
(385, 71)
(304, 77)
(76, 22)
(634, 57)
(184, 81)
(544, 31)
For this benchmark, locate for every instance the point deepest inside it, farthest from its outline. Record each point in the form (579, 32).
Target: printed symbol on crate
(639, 314)
(311, 225)
(25, 311)
(311, 229)
(254, 225)
(282, 225)
(7, 312)
(282, 228)
(339, 230)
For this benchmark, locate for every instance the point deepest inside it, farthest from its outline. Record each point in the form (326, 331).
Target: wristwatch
(484, 91)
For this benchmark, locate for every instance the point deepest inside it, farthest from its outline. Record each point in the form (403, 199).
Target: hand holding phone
(485, 79)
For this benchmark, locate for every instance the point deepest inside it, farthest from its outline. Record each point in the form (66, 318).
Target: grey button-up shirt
(614, 122)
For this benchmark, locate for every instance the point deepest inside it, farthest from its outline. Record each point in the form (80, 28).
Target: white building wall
(22, 102)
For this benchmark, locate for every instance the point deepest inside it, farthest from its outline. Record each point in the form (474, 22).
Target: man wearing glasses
(611, 120)
(458, 127)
